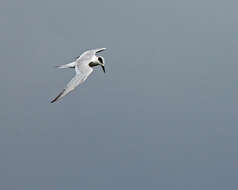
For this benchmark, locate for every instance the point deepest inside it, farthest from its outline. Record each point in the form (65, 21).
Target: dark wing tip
(57, 97)
(100, 49)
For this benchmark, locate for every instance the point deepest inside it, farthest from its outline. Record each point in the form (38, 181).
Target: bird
(83, 66)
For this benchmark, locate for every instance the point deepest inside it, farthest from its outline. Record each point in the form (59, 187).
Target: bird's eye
(100, 59)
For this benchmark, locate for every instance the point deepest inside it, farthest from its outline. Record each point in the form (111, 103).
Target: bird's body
(83, 68)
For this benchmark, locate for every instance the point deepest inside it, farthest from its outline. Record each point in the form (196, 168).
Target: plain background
(164, 116)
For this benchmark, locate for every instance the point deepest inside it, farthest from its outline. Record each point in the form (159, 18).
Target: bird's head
(101, 62)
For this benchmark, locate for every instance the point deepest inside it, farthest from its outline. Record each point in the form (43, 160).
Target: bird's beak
(103, 68)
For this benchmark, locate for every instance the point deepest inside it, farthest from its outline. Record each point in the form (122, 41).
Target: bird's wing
(82, 73)
(69, 65)
(99, 50)
(94, 51)
(89, 53)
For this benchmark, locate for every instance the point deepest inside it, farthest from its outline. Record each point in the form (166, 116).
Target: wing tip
(57, 97)
(100, 49)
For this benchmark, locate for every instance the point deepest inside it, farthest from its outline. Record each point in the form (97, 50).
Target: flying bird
(83, 66)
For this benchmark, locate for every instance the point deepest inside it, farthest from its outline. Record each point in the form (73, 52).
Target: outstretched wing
(69, 65)
(82, 73)
(99, 50)
(89, 54)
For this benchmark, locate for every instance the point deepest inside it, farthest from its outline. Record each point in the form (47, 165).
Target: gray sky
(163, 117)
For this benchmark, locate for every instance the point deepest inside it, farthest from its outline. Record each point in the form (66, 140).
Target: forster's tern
(83, 67)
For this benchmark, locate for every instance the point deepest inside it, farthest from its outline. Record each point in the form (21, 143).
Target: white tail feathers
(69, 65)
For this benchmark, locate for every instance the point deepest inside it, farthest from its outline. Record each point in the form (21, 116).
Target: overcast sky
(164, 116)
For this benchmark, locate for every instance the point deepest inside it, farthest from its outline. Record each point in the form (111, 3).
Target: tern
(83, 66)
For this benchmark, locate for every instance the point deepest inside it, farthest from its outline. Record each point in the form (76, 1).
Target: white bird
(83, 68)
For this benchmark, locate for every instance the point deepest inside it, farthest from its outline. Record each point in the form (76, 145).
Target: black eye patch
(100, 60)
